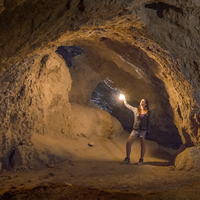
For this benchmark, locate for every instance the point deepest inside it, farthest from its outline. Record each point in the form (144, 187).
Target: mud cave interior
(64, 64)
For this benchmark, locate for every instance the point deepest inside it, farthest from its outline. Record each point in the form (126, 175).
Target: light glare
(121, 97)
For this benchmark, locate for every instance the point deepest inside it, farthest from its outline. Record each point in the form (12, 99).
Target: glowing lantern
(121, 97)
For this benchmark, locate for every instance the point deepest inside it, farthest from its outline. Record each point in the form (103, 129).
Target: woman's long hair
(146, 108)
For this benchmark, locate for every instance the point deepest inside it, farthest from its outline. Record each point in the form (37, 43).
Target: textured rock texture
(154, 45)
(34, 103)
(53, 191)
(188, 159)
(31, 99)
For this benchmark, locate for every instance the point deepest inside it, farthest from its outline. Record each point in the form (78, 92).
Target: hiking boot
(126, 161)
(140, 161)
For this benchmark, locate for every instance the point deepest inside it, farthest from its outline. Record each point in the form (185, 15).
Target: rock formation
(145, 48)
(35, 103)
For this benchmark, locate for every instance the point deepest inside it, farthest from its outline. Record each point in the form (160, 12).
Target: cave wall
(34, 102)
(31, 102)
(177, 30)
(167, 31)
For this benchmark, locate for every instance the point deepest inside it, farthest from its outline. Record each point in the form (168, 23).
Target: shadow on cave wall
(162, 8)
(69, 52)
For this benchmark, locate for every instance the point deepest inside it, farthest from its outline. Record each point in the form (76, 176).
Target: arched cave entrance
(100, 79)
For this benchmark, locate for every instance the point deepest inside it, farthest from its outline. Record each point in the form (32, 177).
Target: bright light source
(121, 97)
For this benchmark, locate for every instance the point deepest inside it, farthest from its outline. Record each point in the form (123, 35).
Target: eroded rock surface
(34, 102)
(153, 44)
(189, 159)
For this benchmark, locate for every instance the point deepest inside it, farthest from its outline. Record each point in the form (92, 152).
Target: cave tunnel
(63, 66)
(136, 83)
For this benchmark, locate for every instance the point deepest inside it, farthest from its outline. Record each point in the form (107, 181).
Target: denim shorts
(140, 133)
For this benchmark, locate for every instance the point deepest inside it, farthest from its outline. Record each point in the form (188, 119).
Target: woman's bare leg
(143, 146)
(128, 145)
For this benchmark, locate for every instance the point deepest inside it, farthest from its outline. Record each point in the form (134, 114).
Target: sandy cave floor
(99, 167)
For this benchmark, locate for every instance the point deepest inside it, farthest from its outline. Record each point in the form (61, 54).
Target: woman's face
(143, 103)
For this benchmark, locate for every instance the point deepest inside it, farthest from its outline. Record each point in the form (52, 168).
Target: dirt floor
(96, 167)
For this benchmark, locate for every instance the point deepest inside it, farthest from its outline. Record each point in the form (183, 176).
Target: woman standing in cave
(140, 128)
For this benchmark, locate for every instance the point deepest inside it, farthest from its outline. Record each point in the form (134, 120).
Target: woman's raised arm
(134, 109)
